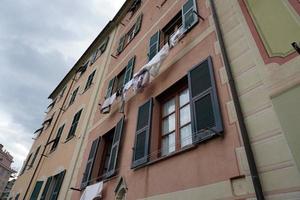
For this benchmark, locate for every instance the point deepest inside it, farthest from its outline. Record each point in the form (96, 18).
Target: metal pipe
(242, 125)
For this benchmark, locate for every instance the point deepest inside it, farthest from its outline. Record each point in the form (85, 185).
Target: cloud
(40, 42)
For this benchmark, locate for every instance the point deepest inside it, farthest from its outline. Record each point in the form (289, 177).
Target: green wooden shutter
(110, 88)
(57, 138)
(90, 80)
(74, 124)
(121, 44)
(115, 149)
(142, 135)
(129, 70)
(206, 115)
(189, 16)
(46, 188)
(138, 24)
(36, 191)
(153, 45)
(59, 178)
(73, 96)
(103, 45)
(89, 165)
(34, 156)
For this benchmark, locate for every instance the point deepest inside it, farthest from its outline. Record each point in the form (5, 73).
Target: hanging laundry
(105, 108)
(174, 39)
(141, 80)
(92, 191)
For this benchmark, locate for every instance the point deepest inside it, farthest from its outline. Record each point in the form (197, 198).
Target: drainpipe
(51, 132)
(242, 125)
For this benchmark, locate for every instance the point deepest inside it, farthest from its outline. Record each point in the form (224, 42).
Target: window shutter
(115, 148)
(57, 138)
(74, 124)
(110, 88)
(121, 44)
(129, 70)
(57, 186)
(90, 80)
(34, 156)
(205, 105)
(46, 188)
(104, 45)
(36, 191)
(189, 18)
(89, 165)
(142, 135)
(153, 45)
(138, 24)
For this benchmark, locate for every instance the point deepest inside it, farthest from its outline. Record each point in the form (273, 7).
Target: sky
(40, 41)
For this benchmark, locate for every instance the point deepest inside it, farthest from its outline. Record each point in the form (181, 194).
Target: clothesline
(142, 78)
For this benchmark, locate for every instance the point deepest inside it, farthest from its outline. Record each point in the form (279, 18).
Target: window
(188, 115)
(121, 79)
(154, 45)
(133, 31)
(73, 96)
(135, 6)
(25, 164)
(34, 157)
(176, 123)
(17, 196)
(52, 186)
(57, 138)
(100, 50)
(172, 27)
(189, 10)
(89, 80)
(36, 191)
(103, 156)
(83, 68)
(74, 124)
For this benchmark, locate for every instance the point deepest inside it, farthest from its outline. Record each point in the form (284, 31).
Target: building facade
(5, 168)
(7, 189)
(179, 99)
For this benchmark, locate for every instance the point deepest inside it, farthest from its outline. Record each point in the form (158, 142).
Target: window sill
(69, 138)
(162, 158)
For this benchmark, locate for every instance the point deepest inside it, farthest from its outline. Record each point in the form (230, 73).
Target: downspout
(242, 125)
(50, 135)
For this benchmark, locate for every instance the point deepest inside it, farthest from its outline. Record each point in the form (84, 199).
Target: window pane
(168, 144)
(184, 97)
(186, 135)
(169, 124)
(169, 107)
(185, 115)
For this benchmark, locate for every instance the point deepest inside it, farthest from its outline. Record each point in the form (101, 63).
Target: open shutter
(142, 135)
(46, 188)
(138, 24)
(36, 191)
(103, 45)
(121, 44)
(34, 157)
(153, 45)
(89, 165)
(115, 149)
(206, 116)
(57, 138)
(189, 16)
(129, 70)
(110, 88)
(59, 180)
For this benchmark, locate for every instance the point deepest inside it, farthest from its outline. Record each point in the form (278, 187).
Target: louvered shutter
(153, 45)
(115, 148)
(121, 44)
(142, 135)
(138, 24)
(36, 191)
(57, 186)
(104, 45)
(74, 124)
(57, 138)
(46, 188)
(89, 165)
(189, 16)
(34, 157)
(110, 88)
(206, 114)
(129, 70)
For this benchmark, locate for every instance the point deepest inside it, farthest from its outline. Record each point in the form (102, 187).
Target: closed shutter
(36, 191)
(138, 24)
(46, 188)
(115, 148)
(89, 166)
(110, 88)
(121, 44)
(142, 135)
(59, 178)
(153, 45)
(189, 16)
(129, 70)
(205, 105)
